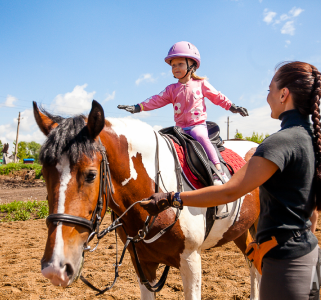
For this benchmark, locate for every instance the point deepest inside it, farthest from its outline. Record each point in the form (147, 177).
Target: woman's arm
(254, 173)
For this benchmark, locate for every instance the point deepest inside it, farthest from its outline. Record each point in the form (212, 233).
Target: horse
(72, 157)
(6, 157)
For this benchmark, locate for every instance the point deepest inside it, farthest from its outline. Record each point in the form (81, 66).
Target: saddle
(196, 156)
(199, 164)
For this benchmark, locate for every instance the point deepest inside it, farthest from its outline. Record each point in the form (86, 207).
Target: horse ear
(96, 119)
(5, 148)
(44, 122)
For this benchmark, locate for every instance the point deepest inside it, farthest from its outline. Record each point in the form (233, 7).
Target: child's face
(179, 67)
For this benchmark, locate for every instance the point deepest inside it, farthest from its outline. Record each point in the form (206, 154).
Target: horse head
(71, 158)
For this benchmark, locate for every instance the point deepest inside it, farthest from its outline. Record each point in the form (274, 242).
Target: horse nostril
(69, 270)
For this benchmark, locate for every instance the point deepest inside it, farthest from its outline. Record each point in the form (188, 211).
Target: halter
(105, 191)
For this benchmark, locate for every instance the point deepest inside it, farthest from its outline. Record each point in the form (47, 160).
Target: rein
(106, 191)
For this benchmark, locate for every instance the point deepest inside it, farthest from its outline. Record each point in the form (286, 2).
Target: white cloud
(287, 20)
(284, 17)
(157, 127)
(296, 11)
(142, 115)
(110, 96)
(259, 120)
(287, 43)
(260, 1)
(9, 101)
(268, 16)
(145, 77)
(288, 28)
(75, 102)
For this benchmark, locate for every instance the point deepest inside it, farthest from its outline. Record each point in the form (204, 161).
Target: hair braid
(316, 95)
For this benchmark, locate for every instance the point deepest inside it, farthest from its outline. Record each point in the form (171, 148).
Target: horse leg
(242, 242)
(191, 273)
(149, 270)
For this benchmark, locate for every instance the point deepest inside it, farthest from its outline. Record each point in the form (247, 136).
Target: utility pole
(228, 127)
(16, 150)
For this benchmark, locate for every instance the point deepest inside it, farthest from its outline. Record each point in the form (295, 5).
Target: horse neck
(131, 148)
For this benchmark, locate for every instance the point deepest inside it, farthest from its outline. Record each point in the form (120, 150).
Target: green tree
(34, 149)
(1, 147)
(256, 137)
(28, 150)
(238, 135)
(23, 151)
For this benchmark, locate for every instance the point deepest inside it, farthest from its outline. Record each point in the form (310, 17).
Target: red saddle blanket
(232, 158)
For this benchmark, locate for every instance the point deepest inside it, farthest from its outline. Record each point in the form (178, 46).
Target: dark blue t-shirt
(287, 199)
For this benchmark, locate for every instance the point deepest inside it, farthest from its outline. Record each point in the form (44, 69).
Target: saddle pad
(188, 173)
(232, 158)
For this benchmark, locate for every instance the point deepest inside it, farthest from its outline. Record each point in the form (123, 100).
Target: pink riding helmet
(183, 49)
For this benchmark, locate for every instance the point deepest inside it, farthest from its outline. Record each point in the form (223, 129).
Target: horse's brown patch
(249, 213)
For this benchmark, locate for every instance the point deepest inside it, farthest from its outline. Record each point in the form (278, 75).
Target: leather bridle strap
(56, 218)
(160, 284)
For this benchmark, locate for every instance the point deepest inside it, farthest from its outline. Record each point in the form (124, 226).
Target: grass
(12, 167)
(22, 211)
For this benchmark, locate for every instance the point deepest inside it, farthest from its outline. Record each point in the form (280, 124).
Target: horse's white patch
(191, 273)
(141, 140)
(133, 173)
(145, 294)
(63, 167)
(221, 226)
(240, 147)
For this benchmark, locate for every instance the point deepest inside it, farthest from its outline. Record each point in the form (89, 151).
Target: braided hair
(304, 83)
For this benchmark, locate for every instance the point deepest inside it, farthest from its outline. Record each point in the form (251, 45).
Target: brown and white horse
(71, 167)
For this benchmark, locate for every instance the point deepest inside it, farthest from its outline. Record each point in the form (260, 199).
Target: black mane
(70, 137)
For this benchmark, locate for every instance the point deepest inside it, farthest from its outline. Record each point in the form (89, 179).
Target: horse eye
(91, 177)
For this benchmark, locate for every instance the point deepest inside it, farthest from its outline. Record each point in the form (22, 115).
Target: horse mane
(70, 137)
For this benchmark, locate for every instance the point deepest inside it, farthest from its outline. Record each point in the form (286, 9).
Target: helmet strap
(189, 68)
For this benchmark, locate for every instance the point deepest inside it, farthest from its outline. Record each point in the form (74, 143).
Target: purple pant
(199, 133)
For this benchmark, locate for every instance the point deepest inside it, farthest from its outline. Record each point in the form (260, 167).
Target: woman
(287, 168)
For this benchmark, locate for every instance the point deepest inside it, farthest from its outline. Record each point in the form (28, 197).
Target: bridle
(105, 186)
(106, 192)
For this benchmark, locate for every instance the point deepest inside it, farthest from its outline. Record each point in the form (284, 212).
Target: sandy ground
(225, 272)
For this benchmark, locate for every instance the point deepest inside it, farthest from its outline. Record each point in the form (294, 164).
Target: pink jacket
(188, 101)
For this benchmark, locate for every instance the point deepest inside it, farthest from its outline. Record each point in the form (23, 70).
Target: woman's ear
(284, 94)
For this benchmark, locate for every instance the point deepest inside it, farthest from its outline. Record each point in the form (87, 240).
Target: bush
(12, 167)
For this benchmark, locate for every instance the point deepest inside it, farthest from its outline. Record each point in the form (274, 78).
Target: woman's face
(179, 67)
(275, 100)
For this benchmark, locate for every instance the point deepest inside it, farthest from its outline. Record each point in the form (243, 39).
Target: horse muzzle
(58, 272)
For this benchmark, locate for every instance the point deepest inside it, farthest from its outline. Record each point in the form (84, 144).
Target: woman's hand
(130, 108)
(239, 110)
(157, 203)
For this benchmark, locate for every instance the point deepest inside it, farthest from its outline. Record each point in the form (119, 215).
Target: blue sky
(63, 54)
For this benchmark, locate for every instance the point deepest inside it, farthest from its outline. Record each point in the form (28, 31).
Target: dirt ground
(22, 186)
(225, 272)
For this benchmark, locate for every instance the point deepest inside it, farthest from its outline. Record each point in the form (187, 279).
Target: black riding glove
(130, 108)
(157, 203)
(240, 110)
